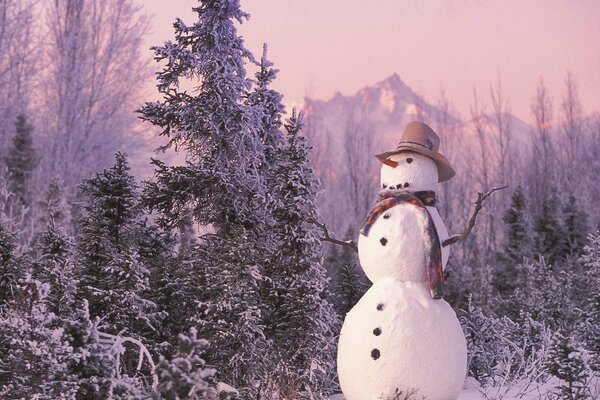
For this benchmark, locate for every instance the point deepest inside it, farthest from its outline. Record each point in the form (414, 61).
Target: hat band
(430, 146)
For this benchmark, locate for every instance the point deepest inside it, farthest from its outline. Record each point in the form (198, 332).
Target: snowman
(402, 340)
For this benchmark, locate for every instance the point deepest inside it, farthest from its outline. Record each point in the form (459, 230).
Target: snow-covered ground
(523, 391)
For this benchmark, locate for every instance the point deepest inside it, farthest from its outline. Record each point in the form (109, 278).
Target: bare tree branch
(327, 238)
(478, 205)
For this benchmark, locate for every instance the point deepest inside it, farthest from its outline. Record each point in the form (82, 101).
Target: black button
(377, 331)
(375, 354)
(406, 184)
(383, 241)
(386, 216)
(380, 306)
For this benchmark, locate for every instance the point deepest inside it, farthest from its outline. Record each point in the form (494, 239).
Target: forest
(211, 279)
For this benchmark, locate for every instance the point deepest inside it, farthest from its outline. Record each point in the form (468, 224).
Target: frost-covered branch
(327, 237)
(117, 348)
(481, 197)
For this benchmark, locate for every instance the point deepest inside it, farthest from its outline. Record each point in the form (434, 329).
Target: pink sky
(324, 46)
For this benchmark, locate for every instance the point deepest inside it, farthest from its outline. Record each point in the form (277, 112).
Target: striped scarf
(433, 248)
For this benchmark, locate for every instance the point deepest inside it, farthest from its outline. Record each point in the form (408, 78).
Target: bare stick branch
(327, 238)
(478, 205)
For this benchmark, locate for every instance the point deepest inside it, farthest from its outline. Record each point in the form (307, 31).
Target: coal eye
(409, 160)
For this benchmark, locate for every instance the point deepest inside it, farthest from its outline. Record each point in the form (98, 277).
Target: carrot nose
(390, 163)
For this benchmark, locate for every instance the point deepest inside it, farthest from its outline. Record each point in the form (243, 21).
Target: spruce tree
(293, 266)
(21, 161)
(35, 348)
(184, 375)
(95, 367)
(54, 267)
(549, 236)
(220, 186)
(564, 361)
(518, 239)
(302, 323)
(10, 269)
(591, 329)
(517, 247)
(590, 326)
(348, 289)
(110, 271)
(52, 206)
(575, 228)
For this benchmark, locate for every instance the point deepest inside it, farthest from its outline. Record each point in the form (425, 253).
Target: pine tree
(564, 361)
(293, 267)
(518, 243)
(590, 329)
(52, 206)
(348, 289)
(184, 375)
(21, 161)
(549, 241)
(95, 366)
(302, 322)
(517, 248)
(575, 228)
(111, 274)
(484, 335)
(37, 349)
(54, 267)
(10, 269)
(220, 186)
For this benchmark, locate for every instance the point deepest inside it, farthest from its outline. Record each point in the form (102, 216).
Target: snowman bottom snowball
(398, 341)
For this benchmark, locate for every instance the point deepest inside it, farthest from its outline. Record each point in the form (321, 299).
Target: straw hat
(420, 138)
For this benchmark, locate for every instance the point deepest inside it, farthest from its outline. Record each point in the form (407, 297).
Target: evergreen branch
(481, 197)
(327, 237)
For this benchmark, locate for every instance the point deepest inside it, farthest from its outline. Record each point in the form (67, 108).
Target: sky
(458, 46)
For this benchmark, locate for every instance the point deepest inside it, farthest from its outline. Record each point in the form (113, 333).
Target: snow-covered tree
(54, 267)
(10, 269)
(35, 355)
(21, 161)
(185, 375)
(349, 289)
(220, 186)
(590, 324)
(518, 236)
(517, 247)
(302, 321)
(484, 342)
(95, 365)
(52, 206)
(565, 361)
(111, 274)
(575, 227)
(549, 236)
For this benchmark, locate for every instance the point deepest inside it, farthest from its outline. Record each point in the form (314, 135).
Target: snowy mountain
(387, 106)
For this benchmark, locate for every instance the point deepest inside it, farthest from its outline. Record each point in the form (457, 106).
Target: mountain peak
(396, 85)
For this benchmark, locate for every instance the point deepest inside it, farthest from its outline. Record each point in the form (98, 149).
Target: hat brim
(445, 171)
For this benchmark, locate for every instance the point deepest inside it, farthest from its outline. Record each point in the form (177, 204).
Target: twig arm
(327, 237)
(481, 197)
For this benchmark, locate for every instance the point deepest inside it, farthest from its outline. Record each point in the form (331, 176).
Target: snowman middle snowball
(415, 172)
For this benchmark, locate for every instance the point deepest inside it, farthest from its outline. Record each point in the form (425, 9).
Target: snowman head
(422, 144)
(408, 170)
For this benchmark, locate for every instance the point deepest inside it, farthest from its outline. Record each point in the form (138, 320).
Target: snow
(517, 391)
